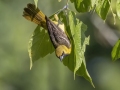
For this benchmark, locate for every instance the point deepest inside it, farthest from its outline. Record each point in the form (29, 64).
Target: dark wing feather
(57, 36)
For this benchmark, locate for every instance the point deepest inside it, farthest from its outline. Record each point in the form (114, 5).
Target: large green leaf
(38, 45)
(82, 5)
(76, 60)
(116, 51)
(118, 8)
(102, 8)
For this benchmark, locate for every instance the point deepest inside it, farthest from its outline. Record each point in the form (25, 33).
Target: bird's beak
(61, 58)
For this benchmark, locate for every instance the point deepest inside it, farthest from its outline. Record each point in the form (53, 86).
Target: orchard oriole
(57, 35)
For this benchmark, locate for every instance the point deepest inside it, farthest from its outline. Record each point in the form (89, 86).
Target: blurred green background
(49, 73)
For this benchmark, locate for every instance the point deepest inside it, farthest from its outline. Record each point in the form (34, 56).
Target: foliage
(76, 61)
(82, 5)
(116, 51)
(102, 8)
(76, 31)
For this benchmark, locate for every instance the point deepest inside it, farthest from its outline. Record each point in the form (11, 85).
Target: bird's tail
(32, 13)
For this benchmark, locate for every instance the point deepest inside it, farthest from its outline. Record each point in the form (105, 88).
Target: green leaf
(82, 71)
(38, 45)
(118, 8)
(102, 8)
(82, 5)
(116, 51)
(36, 1)
(76, 60)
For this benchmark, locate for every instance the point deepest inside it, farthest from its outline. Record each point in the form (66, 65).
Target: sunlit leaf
(76, 60)
(82, 5)
(118, 8)
(116, 51)
(82, 71)
(102, 8)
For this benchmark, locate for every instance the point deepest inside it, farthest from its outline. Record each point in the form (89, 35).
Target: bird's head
(62, 51)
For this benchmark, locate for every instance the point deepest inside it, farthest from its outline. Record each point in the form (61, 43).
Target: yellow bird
(57, 35)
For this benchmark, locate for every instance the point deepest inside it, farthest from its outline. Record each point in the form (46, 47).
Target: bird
(57, 35)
